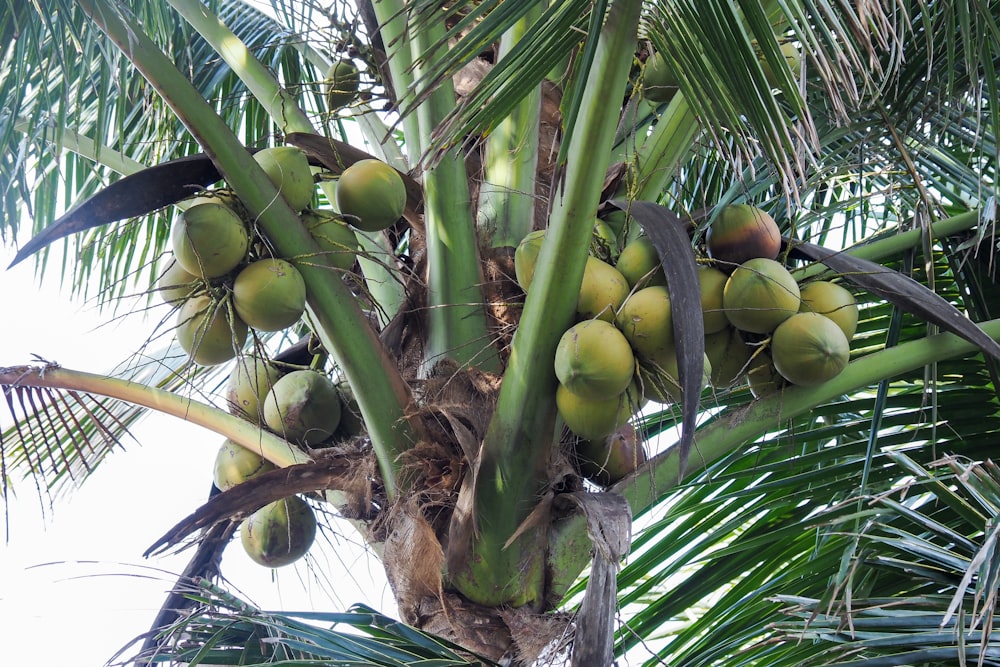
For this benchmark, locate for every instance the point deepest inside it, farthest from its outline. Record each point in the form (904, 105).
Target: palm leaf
(227, 630)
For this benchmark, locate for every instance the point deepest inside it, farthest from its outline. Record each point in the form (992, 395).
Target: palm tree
(848, 522)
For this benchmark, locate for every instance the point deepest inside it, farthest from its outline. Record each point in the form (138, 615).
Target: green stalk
(391, 15)
(897, 242)
(88, 148)
(507, 194)
(281, 106)
(655, 162)
(512, 469)
(456, 318)
(271, 447)
(382, 394)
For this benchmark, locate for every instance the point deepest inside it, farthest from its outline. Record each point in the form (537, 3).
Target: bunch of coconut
(302, 405)
(278, 533)
(773, 331)
(221, 277)
(597, 393)
(224, 282)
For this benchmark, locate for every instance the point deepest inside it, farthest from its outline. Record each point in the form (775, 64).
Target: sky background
(74, 587)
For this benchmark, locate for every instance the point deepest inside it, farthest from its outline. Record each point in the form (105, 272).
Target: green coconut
(729, 356)
(249, 381)
(207, 332)
(809, 349)
(304, 407)
(269, 295)
(594, 418)
(177, 284)
(640, 264)
(793, 61)
(342, 83)
(760, 295)
(288, 168)
(279, 533)
(607, 460)
(602, 291)
(741, 232)
(712, 283)
(604, 242)
(351, 424)
(371, 195)
(659, 81)
(763, 377)
(334, 237)
(594, 360)
(647, 322)
(832, 300)
(526, 256)
(209, 240)
(235, 464)
(659, 379)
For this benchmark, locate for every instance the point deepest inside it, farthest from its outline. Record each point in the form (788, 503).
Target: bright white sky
(74, 586)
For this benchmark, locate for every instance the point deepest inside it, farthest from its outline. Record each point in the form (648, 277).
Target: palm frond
(74, 82)
(227, 630)
(937, 532)
(60, 437)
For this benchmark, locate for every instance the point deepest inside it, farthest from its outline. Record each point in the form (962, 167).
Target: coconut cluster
(759, 324)
(224, 281)
(779, 332)
(302, 405)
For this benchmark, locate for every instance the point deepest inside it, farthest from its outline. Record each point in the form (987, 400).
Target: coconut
(832, 300)
(209, 240)
(249, 381)
(607, 460)
(351, 422)
(640, 264)
(371, 194)
(279, 533)
(269, 295)
(659, 379)
(763, 377)
(793, 60)
(177, 284)
(207, 331)
(602, 291)
(760, 295)
(659, 82)
(342, 83)
(303, 406)
(645, 319)
(604, 242)
(594, 418)
(741, 232)
(526, 256)
(334, 237)
(712, 282)
(809, 348)
(728, 355)
(288, 168)
(235, 464)
(594, 360)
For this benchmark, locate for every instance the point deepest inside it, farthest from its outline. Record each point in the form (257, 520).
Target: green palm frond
(79, 85)
(226, 630)
(59, 437)
(922, 584)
